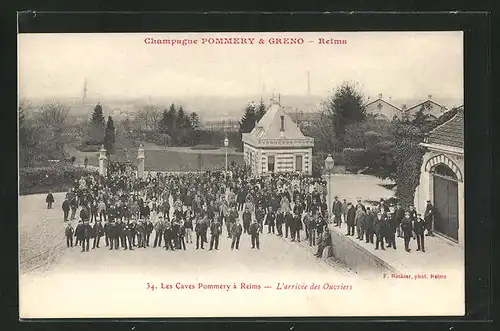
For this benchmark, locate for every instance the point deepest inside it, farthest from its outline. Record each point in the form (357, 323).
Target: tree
(248, 121)
(51, 123)
(109, 137)
(260, 111)
(148, 118)
(422, 120)
(194, 119)
(97, 124)
(408, 158)
(344, 107)
(28, 143)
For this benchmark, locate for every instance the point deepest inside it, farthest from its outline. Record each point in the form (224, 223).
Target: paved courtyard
(56, 281)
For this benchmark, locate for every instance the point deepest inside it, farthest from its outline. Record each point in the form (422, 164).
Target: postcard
(277, 174)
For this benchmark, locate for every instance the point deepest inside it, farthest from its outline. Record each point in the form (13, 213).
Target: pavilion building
(276, 144)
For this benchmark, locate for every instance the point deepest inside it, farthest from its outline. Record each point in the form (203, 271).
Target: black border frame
(477, 62)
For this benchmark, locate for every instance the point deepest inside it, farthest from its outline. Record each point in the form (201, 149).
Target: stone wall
(356, 257)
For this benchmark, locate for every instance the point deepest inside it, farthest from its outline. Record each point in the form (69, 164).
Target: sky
(398, 64)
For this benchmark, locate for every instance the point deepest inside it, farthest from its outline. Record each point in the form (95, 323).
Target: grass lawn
(157, 160)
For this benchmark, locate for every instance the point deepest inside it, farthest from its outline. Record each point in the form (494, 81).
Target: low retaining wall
(356, 257)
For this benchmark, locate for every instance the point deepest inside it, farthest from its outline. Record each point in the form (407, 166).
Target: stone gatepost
(140, 162)
(103, 166)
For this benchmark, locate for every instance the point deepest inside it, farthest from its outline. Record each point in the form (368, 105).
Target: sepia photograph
(276, 174)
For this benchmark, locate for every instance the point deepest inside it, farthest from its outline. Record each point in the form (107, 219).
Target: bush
(354, 157)
(42, 179)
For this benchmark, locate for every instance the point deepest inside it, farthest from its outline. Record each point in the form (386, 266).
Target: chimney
(429, 96)
(380, 95)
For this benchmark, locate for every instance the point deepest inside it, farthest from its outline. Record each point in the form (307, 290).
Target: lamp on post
(226, 144)
(329, 163)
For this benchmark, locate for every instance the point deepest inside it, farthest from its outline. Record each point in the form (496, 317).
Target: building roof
(269, 126)
(450, 133)
(384, 101)
(418, 105)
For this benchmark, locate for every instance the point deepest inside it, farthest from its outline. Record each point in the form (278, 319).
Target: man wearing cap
(198, 228)
(158, 231)
(407, 228)
(296, 227)
(215, 231)
(236, 230)
(399, 214)
(98, 231)
(254, 234)
(429, 217)
(337, 211)
(369, 219)
(350, 219)
(391, 230)
(379, 225)
(127, 232)
(419, 228)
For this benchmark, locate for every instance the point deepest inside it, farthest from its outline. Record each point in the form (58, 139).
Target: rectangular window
(270, 163)
(298, 163)
(282, 123)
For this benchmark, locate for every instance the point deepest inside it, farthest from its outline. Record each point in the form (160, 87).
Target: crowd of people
(172, 211)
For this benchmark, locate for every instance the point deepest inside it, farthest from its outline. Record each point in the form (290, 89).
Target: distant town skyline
(398, 64)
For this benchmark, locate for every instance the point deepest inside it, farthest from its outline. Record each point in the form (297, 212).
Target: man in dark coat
(215, 231)
(399, 213)
(391, 230)
(280, 219)
(85, 234)
(419, 228)
(65, 208)
(98, 231)
(270, 218)
(369, 219)
(350, 219)
(379, 225)
(236, 230)
(158, 231)
(49, 200)
(73, 203)
(259, 217)
(337, 211)
(68, 232)
(113, 235)
(296, 227)
(254, 234)
(128, 233)
(199, 228)
(148, 226)
(167, 235)
(429, 217)
(312, 230)
(247, 219)
(407, 228)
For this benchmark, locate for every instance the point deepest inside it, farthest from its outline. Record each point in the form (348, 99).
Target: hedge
(88, 148)
(43, 179)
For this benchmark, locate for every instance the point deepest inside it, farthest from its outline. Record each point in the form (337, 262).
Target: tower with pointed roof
(276, 144)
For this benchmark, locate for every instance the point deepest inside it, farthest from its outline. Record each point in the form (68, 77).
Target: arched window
(445, 171)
